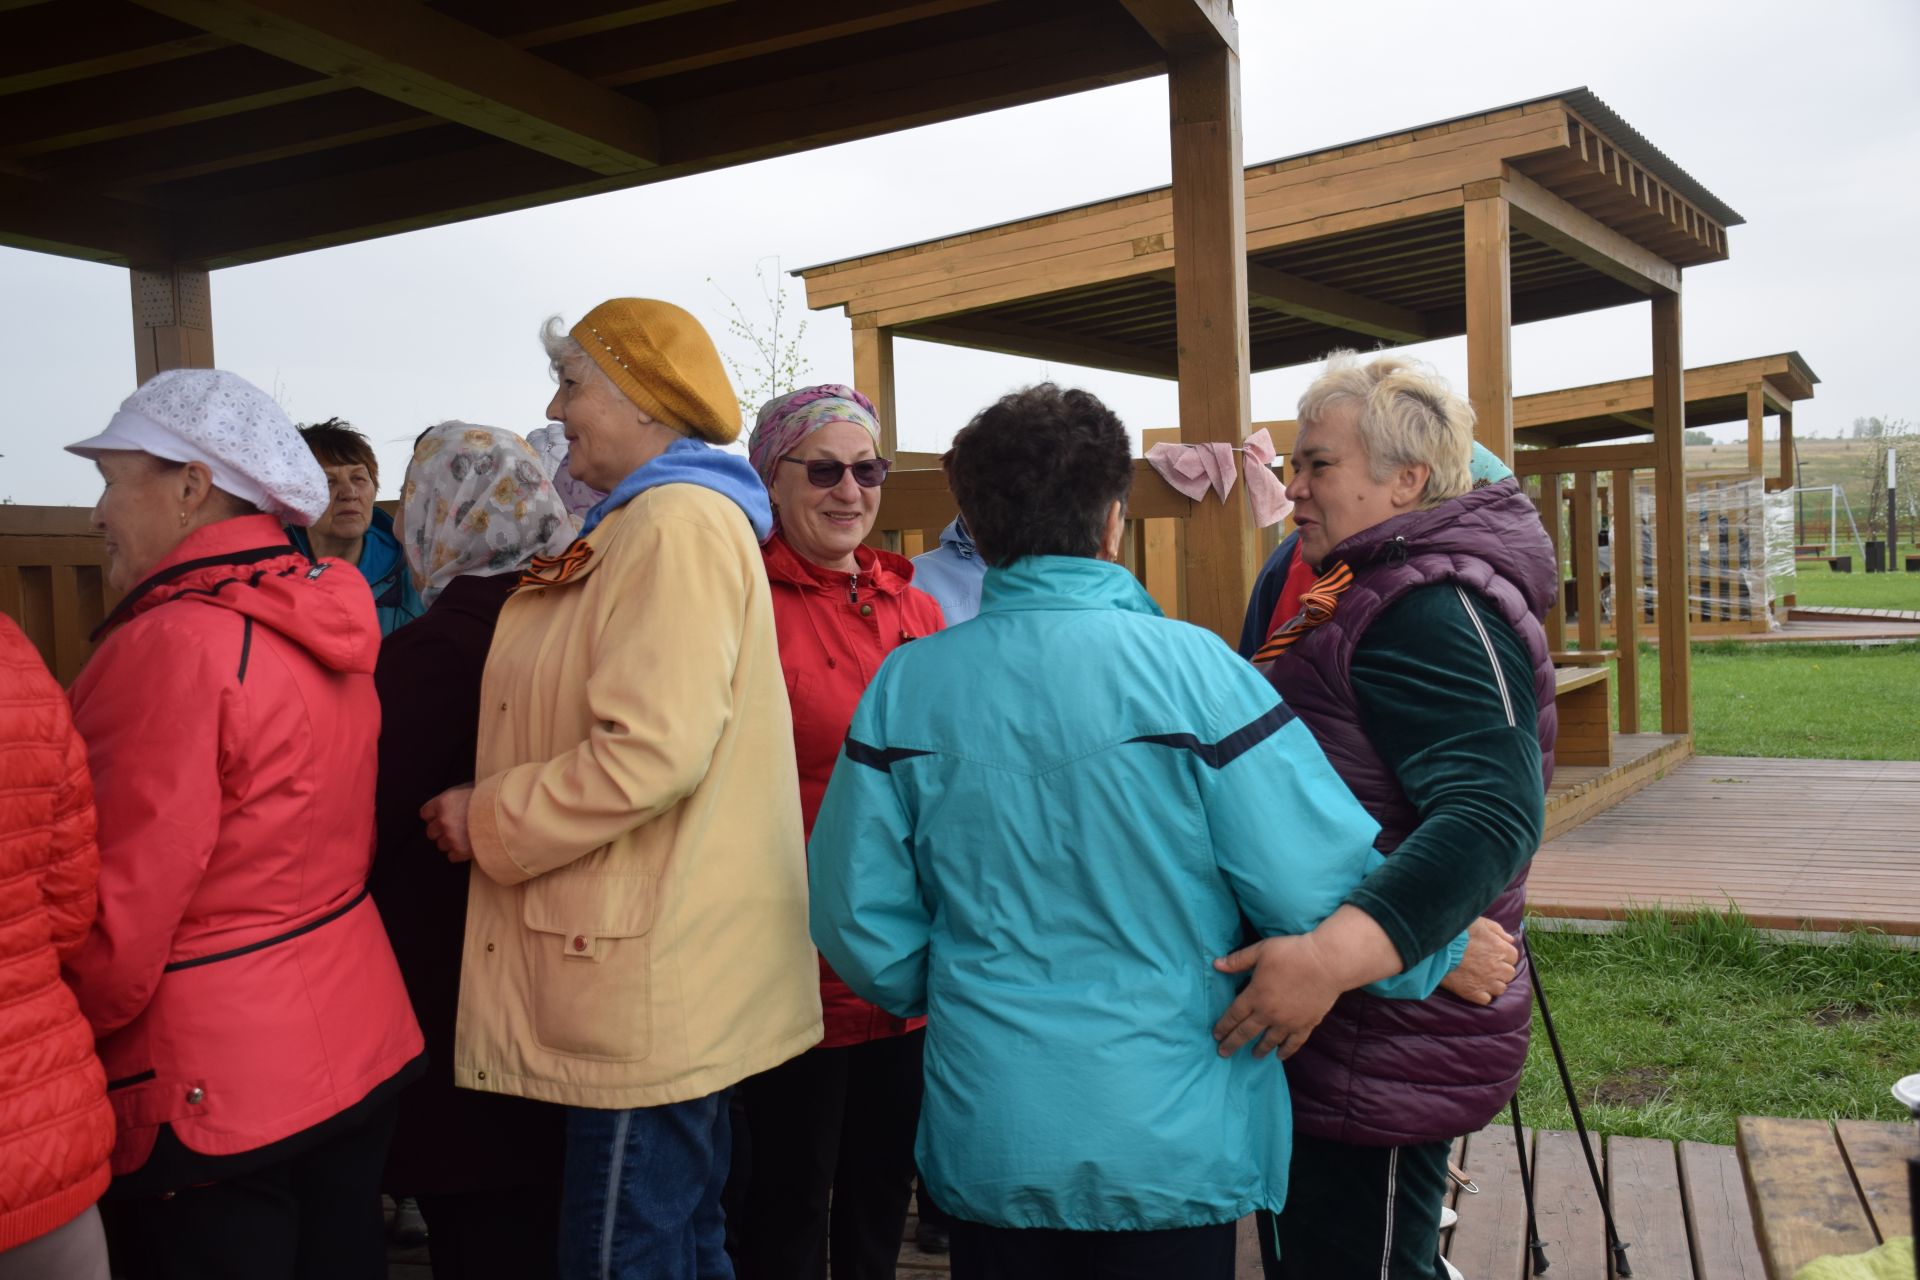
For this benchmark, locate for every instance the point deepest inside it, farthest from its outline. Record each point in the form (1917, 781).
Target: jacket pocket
(592, 971)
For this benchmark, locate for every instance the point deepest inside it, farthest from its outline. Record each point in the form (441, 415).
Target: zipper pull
(853, 588)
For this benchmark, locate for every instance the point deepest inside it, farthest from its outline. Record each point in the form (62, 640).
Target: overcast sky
(1804, 117)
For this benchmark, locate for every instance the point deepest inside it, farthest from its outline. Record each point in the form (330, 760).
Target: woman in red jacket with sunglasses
(841, 1117)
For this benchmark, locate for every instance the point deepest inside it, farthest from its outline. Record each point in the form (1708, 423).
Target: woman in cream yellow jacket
(637, 924)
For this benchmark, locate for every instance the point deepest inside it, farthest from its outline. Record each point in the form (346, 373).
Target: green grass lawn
(1817, 585)
(1797, 701)
(1673, 1031)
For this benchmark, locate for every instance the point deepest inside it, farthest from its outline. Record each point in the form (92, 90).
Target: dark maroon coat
(1393, 1072)
(448, 1140)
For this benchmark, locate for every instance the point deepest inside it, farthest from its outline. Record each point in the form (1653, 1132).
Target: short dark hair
(335, 443)
(1036, 471)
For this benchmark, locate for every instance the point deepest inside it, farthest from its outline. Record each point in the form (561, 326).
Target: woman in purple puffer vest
(1419, 662)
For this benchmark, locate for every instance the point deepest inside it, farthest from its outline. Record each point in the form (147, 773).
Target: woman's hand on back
(446, 819)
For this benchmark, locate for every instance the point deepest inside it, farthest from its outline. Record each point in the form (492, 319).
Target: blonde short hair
(1407, 416)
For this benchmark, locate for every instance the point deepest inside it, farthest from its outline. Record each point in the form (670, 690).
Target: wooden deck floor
(1824, 844)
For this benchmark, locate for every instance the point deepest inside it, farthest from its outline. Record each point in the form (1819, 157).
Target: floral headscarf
(551, 444)
(787, 420)
(476, 500)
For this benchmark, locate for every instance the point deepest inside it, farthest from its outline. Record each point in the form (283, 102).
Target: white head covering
(550, 443)
(477, 501)
(234, 428)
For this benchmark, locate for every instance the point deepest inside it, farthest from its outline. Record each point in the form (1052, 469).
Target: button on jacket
(1044, 825)
(238, 976)
(56, 1129)
(835, 630)
(636, 918)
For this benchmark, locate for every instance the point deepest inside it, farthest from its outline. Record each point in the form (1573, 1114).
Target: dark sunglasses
(824, 473)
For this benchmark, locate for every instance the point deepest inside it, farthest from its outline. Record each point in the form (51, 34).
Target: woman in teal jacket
(1042, 829)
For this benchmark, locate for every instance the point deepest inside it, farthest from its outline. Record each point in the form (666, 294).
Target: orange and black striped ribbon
(552, 571)
(1317, 604)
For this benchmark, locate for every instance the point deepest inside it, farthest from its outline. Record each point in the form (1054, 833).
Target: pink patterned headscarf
(787, 420)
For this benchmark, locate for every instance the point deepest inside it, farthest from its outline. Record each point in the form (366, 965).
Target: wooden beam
(920, 499)
(48, 218)
(1489, 323)
(403, 50)
(172, 320)
(1638, 421)
(1188, 26)
(1592, 458)
(1210, 265)
(1670, 522)
(1756, 431)
(1551, 220)
(873, 374)
(1041, 343)
(1625, 545)
(1291, 295)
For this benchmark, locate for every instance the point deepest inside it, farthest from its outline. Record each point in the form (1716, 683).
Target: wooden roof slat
(416, 55)
(37, 48)
(222, 82)
(917, 85)
(230, 142)
(1181, 27)
(1048, 344)
(734, 32)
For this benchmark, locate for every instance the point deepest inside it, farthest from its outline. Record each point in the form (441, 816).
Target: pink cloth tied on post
(1193, 469)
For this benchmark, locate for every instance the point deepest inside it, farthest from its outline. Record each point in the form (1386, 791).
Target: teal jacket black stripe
(1044, 826)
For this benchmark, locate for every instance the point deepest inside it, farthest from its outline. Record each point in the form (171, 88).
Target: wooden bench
(1839, 564)
(1583, 695)
(1913, 563)
(1811, 551)
(1818, 1188)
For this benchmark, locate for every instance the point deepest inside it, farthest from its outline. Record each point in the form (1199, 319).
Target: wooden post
(873, 375)
(1786, 479)
(1586, 555)
(1756, 438)
(1210, 287)
(172, 320)
(1670, 516)
(1626, 600)
(1489, 319)
(1547, 503)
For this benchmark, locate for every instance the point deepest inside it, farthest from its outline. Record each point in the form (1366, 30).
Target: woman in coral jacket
(248, 1009)
(55, 1126)
(840, 1118)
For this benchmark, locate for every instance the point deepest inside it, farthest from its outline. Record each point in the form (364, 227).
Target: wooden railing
(53, 581)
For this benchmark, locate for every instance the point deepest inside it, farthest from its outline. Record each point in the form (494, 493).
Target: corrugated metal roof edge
(1580, 99)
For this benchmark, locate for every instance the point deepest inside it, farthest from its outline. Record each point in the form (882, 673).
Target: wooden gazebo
(1541, 209)
(175, 137)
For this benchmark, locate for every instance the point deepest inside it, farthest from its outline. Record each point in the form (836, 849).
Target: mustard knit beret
(662, 359)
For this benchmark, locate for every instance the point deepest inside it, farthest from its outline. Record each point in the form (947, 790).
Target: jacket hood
(694, 462)
(880, 570)
(955, 535)
(1497, 524)
(247, 566)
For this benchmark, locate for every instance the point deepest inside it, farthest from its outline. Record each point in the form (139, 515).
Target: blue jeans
(641, 1199)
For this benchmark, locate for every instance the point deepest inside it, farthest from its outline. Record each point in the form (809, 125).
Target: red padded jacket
(238, 977)
(55, 1126)
(835, 630)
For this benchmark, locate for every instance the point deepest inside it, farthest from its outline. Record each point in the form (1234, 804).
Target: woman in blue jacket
(1046, 867)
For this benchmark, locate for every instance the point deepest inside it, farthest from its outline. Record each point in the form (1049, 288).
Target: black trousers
(836, 1122)
(512, 1233)
(1371, 1212)
(981, 1252)
(314, 1215)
